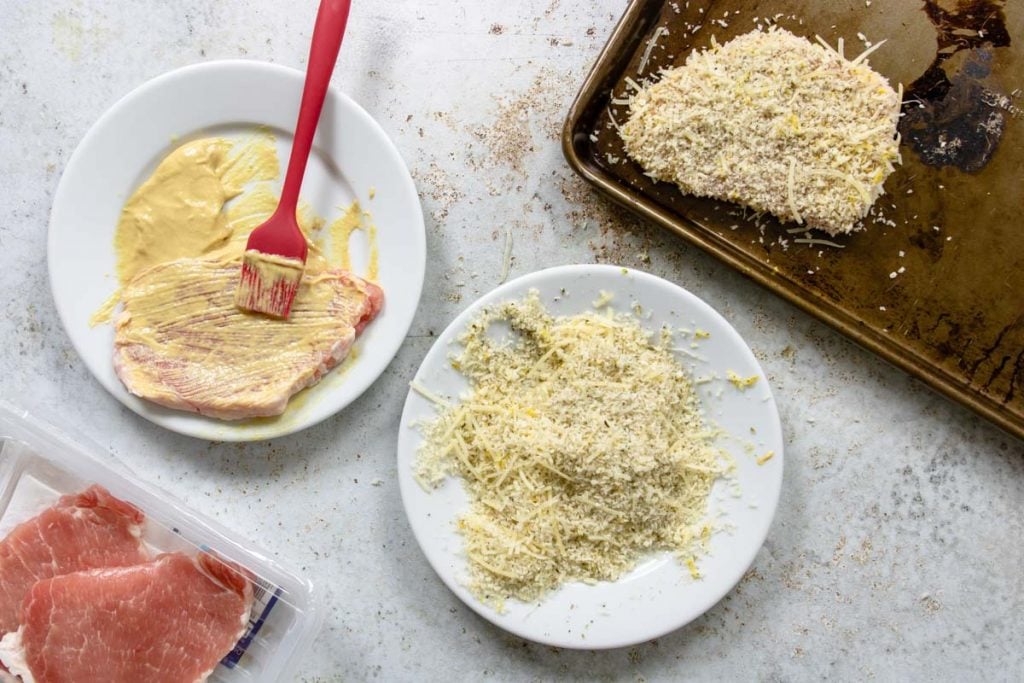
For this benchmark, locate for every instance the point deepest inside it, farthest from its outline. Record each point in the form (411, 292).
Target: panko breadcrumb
(772, 121)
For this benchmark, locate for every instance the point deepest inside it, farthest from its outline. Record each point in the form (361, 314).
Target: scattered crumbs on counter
(765, 458)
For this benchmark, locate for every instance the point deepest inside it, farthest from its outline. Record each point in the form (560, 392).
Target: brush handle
(323, 53)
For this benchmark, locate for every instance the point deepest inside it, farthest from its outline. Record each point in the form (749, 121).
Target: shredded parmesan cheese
(582, 446)
(775, 122)
(506, 257)
(603, 299)
(692, 566)
(739, 382)
(658, 33)
(864, 55)
(428, 394)
(611, 118)
(819, 242)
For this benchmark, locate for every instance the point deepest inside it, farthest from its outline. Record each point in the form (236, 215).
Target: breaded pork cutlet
(774, 122)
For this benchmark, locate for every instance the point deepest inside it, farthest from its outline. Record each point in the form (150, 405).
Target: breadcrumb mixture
(582, 446)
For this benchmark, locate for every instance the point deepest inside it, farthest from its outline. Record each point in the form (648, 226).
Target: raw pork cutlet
(181, 341)
(170, 620)
(87, 530)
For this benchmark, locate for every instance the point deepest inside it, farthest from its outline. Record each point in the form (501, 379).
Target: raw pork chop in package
(104, 579)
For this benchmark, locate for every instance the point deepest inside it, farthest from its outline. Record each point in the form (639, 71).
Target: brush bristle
(262, 291)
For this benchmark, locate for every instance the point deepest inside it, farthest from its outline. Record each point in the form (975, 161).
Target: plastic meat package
(39, 464)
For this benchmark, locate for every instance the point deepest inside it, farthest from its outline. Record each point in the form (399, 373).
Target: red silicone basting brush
(275, 255)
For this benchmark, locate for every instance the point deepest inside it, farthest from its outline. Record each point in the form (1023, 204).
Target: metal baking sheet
(935, 284)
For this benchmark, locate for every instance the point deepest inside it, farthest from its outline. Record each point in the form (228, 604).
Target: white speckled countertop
(897, 550)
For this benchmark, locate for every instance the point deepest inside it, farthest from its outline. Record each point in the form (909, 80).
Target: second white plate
(659, 595)
(352, 159)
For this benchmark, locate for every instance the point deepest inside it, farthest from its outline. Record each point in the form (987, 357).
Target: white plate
(352, 158)
(659, 595)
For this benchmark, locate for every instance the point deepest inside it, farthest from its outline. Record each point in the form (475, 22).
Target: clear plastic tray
(39, 463)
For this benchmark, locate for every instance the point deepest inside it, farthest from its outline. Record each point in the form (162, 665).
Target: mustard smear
(247, 213)
(340, 233)
(252, 209)
(252, 159)
(105, 313)
(186, 309)
(372, 269)
(185, 209)
(178, 211)
(275, 424)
